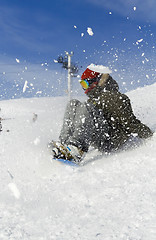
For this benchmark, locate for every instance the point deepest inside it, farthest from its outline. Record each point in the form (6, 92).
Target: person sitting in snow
(105, 121)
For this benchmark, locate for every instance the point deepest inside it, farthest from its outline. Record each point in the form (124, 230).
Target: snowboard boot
(70, 152)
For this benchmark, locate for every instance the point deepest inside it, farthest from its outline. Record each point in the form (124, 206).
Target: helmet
(92, 75)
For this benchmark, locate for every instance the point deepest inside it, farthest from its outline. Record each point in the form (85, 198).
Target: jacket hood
(106, 83)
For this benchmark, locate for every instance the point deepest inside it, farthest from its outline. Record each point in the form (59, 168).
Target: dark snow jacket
(118, 112)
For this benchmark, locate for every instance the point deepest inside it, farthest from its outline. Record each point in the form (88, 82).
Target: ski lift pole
(69, 74)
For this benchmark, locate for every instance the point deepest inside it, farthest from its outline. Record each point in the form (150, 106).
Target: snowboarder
(105, 121)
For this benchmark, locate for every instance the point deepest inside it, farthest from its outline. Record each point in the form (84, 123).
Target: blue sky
(36, 32)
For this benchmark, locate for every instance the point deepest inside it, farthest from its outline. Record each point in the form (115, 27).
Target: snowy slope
(108, 198)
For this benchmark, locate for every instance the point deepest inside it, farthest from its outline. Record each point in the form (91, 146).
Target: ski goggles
(84, 84)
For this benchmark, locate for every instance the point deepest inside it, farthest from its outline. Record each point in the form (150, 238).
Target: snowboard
(67, 162)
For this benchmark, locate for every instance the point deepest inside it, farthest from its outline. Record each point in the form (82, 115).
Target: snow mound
(109, 198)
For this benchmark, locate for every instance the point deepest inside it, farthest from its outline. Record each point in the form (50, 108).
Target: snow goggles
(84, 84)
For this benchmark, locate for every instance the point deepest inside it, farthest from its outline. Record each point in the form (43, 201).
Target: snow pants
(84, 125)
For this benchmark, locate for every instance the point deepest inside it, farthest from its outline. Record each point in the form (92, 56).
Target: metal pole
(69, 73)
(69, 76)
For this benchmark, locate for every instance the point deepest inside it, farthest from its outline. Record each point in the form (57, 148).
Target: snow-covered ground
(110, 198)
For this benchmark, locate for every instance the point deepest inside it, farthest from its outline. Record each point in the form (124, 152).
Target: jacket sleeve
(129, 122)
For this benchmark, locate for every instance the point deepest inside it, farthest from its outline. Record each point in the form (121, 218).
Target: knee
(74, 103)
